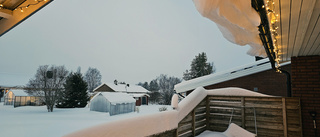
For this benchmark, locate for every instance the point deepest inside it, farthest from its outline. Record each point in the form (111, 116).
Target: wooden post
(207, 113)
(194, 122)
(284, 115)
(177, 131)
(243, 114)
(300, 118)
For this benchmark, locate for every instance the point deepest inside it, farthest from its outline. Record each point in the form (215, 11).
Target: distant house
(114, 103)
(257, 76)
(141, 99)
(18, 97)
(137, 92)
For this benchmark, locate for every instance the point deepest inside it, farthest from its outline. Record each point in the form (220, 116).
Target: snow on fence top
(157, 123)
(232, 91)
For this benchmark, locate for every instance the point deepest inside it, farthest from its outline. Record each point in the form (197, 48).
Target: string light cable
(273, 21)
(21, 8)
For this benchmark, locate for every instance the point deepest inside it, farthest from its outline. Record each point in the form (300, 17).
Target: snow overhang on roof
(287, 28)
(237, 21)
(252, 68)
(13, 12)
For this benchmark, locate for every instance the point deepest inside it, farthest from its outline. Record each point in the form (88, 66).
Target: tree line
(65, 89)
(162, 88)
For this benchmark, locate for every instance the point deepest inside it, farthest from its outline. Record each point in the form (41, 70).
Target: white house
(137, 92)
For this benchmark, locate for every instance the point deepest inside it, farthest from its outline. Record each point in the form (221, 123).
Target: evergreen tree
(144, 85)
(75, 94)
(199, 67)
(153, 86)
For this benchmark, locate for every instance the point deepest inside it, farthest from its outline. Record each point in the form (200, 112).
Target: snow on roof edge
(124, 88)
(139, 95)
(19, 92)
(244, 70)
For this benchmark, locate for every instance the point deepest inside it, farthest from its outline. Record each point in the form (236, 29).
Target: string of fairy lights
(273, 21)
(22, 8)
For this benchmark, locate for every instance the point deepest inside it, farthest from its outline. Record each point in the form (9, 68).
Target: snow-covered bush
(137, 109)
(164, 108)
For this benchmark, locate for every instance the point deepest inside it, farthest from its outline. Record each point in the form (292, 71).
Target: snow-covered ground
(35, 121)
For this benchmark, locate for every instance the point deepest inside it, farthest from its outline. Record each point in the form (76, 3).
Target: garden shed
(114, 103)
(18, 97)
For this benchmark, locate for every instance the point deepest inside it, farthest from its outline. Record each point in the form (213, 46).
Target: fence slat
(284, 114)
(243, 114)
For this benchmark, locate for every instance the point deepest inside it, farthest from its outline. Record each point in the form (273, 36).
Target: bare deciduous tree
(93, 78)
(48, 82)
(166, 88)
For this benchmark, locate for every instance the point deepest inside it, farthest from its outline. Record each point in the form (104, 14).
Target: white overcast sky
(128, 40)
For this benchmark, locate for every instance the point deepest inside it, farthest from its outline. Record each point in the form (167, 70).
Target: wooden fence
(275, 116)
(268, 116)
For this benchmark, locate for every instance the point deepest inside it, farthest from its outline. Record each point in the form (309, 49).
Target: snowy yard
(35, 121)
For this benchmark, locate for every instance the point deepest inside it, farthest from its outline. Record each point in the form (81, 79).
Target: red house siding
(267, 82)
(306, 85)
(139, 101)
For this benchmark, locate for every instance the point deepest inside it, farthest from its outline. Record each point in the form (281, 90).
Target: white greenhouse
(114, 103)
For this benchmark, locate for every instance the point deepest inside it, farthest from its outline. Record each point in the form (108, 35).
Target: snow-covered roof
(115, 97)
(237, 21)
(252, 68)
(19, 92)
(139, 95)
(124, 88)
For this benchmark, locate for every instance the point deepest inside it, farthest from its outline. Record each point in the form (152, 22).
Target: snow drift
(232, 131)
(237, 21)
